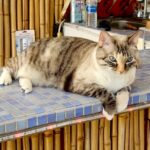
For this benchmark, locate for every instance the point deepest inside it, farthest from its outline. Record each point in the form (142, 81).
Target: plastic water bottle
(91, 9)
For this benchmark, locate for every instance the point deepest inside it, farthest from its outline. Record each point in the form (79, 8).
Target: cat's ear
(133, 39)
(105, 39)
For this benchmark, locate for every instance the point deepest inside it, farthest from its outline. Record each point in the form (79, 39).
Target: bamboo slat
(80, 136)
(101, 134)
(11, 145)
(26, 143)
(127, 132)
(87, 136)
(6, 30)
(1, 34)
(13, 26)
(107, 141)
(148, 130)
(31, 14)
(26, 14)
(51, 16)
(114, 133)
(121, 131)
(19, 15)
(136, 131)
(131, 132)
(60, 9)
(42, 20)
(37, 19)
(142, 128)
(19, 144)
(47, 18)
(3, 146)
(41, 141)
(94, 134)
(56, 11)
(57, 139)
(73, 137)
(67, 137)
(34, 142)
(48, 140)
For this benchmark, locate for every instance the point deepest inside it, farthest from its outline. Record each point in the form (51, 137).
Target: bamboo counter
(52, 119)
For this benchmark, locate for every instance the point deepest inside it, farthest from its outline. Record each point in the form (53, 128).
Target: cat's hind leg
(5, 78)
(26, 85)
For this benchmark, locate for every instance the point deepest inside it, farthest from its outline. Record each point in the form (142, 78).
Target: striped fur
(77, 65)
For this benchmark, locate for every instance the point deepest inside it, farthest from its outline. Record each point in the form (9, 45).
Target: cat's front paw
(122, 98)
(5, 78)
(26, 85)
(107, 115)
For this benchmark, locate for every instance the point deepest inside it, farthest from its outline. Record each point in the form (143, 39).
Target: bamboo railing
(38, 15)
(127, 131)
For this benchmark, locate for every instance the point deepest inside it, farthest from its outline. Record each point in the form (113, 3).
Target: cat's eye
(112, 58)
(130, 59)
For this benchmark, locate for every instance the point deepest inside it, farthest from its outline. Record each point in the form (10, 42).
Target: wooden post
(67, 138)
(7, 29)
(34, 142)
(80, 136)
(42, 20)
(101, 134)
(94, 134)
(26, 144)
(57, 139)
(114, 133)
(142, 128)
(31, 14)
(10, 145)
(131, 132)
(3, 146)
(13, 26)
(26, 14)
(47, 18)
(48, 140)
(127, 132)
(41, 141)
(87, 136)
(19, 144)
(73, 137)
(52, 9)
(19, 15)
(1, 34)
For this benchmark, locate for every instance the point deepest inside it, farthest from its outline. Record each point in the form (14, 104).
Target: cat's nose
(120, 69)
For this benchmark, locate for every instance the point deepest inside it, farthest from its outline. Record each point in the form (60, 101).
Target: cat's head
(120, 53)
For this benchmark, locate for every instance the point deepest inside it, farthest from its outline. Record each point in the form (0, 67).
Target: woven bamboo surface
(39, 15)
(127, 131)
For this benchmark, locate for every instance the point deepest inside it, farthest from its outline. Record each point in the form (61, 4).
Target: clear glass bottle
(91, 10)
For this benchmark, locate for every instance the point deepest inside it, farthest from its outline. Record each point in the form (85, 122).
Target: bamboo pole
(148, 130)
(114, 133)
(87, 136)
(47, 18)
(42, 20)
(142, 128)
(19, 144)
(60, 8)
(56, 11)
(136, 131)
(131, 132)
(3, 146)
(31, 14)
(1, 34)
(80, 136)
(107, 141)
(37, 19)
(57, 139)
(26, 144)
(10, 145)
(26, 14)
(7, 29)
(127, 132)
(41, 141)
(94, 134)
(101, 134)
(67, 137)
(34, 141)
(73, 137)
(13, 26)
(51, 17)
(19, 15)
(48, 140)
(121, 131)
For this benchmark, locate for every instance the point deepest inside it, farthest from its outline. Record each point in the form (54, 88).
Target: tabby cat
(103, 70)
